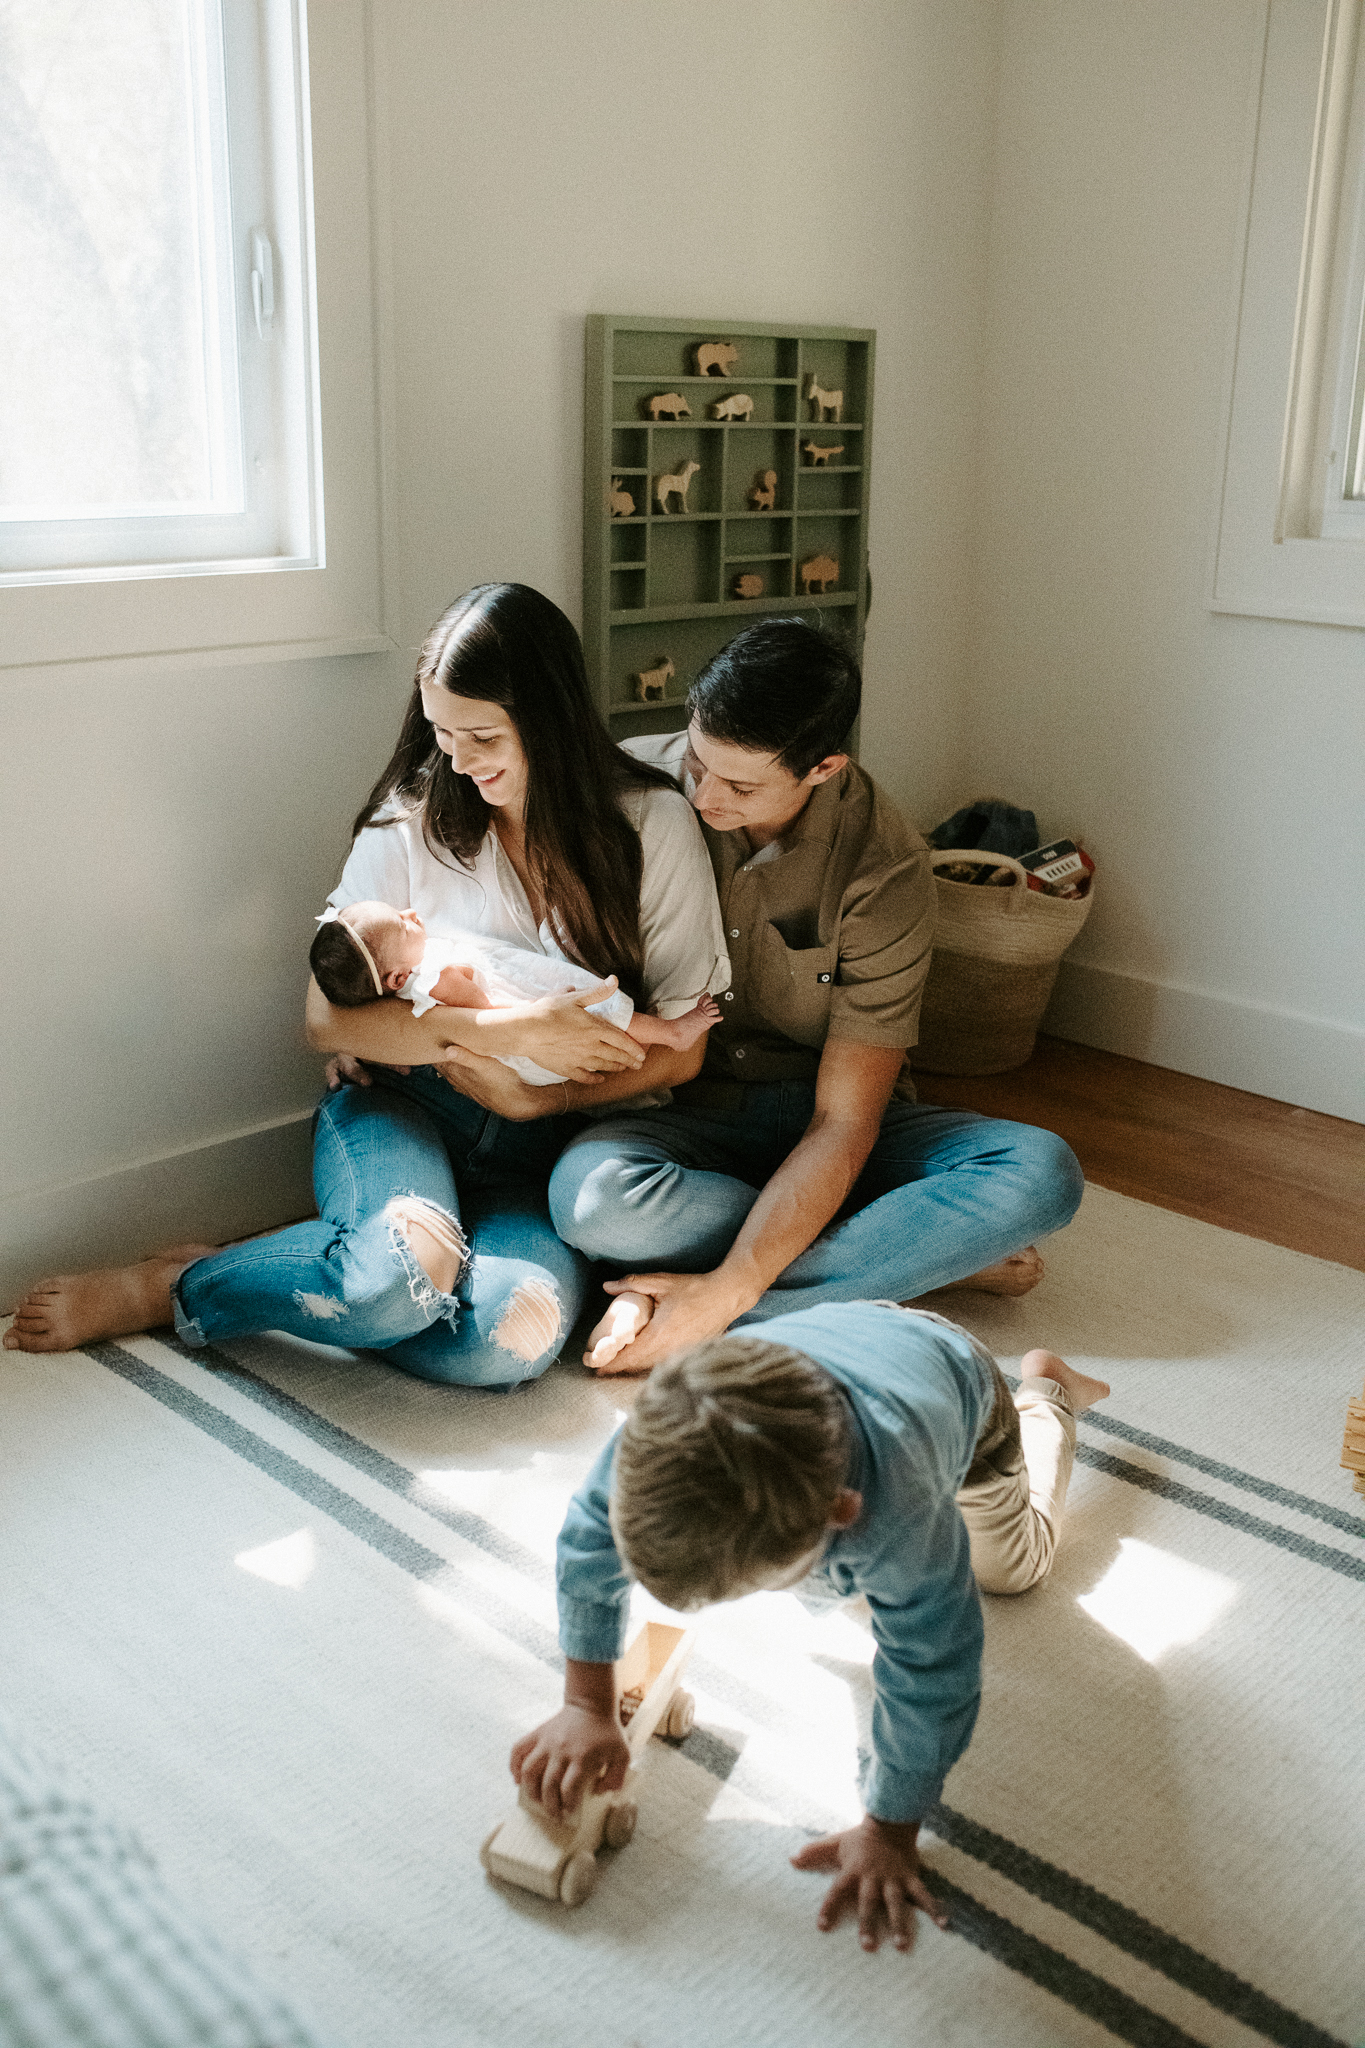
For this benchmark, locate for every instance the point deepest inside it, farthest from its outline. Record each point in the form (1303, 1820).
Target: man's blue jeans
(351, 1277)
(944, 1193)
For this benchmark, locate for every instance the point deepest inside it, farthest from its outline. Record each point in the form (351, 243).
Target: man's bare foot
(1018, 1274)
(1046, 1365)
(621, 1325)
(80, 1308)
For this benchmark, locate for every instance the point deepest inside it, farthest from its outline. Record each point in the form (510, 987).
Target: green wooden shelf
(683, 567)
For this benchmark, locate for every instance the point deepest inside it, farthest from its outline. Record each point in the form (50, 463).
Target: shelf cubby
(662, 584)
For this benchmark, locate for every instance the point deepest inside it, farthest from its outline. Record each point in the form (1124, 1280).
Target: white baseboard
(227, 1188)
(1303, 1060)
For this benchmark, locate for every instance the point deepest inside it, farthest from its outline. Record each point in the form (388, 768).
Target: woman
(506, 809)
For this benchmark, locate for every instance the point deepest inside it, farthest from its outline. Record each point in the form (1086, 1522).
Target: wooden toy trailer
(556, 1858)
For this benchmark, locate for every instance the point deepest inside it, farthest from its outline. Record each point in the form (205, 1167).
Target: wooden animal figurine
(737, 407)
(676, 485)
(763, 494)
(824, 404)
(668, 405)
(749, 586)
(652, 683)
(821, 569)
(1353, 1442)
(555, 1858)
(819, 455)
(720, 356)
(621, 503)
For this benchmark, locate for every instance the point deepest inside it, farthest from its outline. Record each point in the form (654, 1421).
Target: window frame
(1280, 549)
(328, 600)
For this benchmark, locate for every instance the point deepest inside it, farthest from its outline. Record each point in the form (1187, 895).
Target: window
(1291, 529)
(161, 435)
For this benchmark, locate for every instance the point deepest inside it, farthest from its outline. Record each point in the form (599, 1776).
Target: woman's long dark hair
(505, 644)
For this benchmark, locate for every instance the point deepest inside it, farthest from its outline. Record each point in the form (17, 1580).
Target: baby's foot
(80, 1308)
(1046, 1365)
(680, 1032)
(621, 1325)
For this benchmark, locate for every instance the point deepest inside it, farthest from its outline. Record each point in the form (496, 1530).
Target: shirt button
(729, 995)
(740, 1054)
(735, 933)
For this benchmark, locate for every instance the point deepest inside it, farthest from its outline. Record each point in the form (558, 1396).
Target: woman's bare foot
(115, 1301)
(621, 1325)
(1018, 1274)
(1046, 1365)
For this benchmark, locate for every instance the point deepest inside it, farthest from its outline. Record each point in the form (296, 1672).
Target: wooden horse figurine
(676, 485)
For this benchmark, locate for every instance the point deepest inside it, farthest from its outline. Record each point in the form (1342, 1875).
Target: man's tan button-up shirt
(829, 930)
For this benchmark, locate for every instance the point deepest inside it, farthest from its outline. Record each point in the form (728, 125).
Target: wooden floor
(1290, 1176)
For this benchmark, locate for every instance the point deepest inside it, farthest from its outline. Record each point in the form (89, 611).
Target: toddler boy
(876, 1445)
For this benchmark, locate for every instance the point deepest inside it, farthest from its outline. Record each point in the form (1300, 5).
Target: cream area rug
(285, 1611)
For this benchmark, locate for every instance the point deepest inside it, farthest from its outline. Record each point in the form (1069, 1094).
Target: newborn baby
(370, 950)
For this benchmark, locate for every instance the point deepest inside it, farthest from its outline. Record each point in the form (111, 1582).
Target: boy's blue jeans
(944, 1193)
(351, 1278)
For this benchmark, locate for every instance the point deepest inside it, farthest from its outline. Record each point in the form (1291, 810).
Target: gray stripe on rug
(1124, 1929)
(1222, 1511)
(1282, 1496)
(1125, 2017)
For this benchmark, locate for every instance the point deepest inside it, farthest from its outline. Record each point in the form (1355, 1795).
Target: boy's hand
(577, 1750)
(879, 1875)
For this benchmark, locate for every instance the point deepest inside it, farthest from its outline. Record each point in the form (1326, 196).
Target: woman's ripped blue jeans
(410, 1151)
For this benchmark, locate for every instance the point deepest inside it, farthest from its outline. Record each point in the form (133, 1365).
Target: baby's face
(396, 938)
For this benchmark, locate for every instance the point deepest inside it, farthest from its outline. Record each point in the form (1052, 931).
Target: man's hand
(344, 1069)
(879, 1876)
(577, 1750)
(687, 1307)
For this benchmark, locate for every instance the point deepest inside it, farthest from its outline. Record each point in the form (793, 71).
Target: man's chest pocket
(794, 986)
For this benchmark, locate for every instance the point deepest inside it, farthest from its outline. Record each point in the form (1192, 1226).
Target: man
(799, 1168)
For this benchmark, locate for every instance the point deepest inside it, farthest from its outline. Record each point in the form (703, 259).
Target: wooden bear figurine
(717, 356)
(669, 404)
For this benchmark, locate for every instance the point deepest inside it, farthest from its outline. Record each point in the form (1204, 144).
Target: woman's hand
(496, 1087)
(878, 1875)
(557, 1033)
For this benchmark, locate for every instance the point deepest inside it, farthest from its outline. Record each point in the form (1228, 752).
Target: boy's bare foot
(1018, 1274)
(1046, 1365)
(115, 1301)
(620, 1326)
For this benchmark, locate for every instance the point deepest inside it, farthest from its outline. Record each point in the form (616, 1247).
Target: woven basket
(996, 955)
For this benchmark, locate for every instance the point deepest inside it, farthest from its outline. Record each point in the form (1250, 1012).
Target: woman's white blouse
(684, 940)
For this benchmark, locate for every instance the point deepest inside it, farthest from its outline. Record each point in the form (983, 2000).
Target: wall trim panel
(227, 1188)
(1308, 1061)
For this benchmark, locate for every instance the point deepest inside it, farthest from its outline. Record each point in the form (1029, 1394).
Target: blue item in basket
(990, 826)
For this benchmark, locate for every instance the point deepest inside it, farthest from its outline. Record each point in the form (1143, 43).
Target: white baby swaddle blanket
(510, 974)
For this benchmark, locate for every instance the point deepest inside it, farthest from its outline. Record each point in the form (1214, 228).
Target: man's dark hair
(780, 687)
(339, 968)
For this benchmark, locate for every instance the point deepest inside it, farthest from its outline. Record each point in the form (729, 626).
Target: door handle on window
(262, 280)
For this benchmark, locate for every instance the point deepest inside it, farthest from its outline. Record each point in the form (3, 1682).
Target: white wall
(169, 832)
(1213, 763)
(778, 159)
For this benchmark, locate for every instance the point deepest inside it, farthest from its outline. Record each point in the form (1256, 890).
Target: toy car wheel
(620, 1824)
(681, 1717)
(485, 1845)
(577, 1878)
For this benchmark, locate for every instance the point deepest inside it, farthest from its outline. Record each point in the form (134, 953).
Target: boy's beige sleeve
(886, 937)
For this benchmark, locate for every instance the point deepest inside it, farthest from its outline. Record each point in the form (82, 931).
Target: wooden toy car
(1353, 1442)
(556, 1858)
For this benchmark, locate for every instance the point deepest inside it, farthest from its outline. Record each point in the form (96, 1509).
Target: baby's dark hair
(339, 967)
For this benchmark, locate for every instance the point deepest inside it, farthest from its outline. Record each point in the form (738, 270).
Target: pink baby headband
(333, 916)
